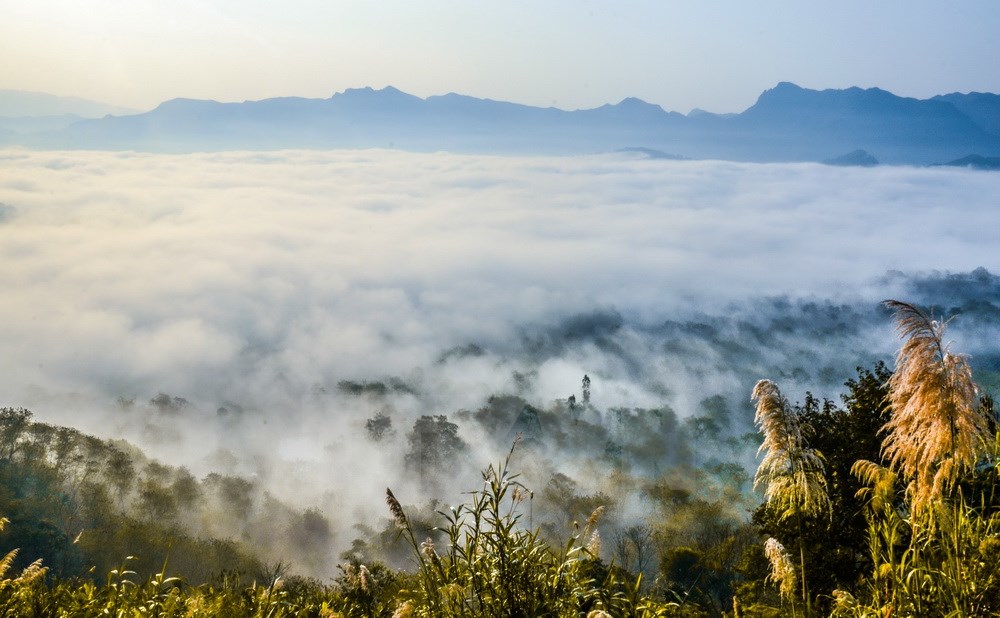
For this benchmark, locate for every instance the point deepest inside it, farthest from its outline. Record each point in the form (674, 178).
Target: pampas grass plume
(782, 570)
(791, 472)
(936, 431)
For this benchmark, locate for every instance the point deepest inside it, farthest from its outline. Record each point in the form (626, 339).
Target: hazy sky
(567, 53)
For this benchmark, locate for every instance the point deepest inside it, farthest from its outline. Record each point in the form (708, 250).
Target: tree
(434, 444)
(185, 488)
(120, 472)
(633, 548)
(235, 494)
(156, 502)
(586, 388)
(312, 537)
(13, 423)
(379, 426)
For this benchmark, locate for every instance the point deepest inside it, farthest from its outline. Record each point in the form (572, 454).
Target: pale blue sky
(567, 53)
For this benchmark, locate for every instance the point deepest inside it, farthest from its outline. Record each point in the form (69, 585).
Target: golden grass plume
(791, 472)
(782, 569)
(936, 431)
(879, 483)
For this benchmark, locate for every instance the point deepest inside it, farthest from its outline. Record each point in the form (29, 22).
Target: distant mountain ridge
(982, 107)
(23, 103)
(787, 123)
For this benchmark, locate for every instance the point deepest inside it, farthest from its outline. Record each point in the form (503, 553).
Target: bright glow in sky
(568, 53)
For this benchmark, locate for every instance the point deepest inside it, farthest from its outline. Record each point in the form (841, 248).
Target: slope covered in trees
(883, 502)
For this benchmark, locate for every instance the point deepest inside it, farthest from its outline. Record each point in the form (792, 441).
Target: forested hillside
(884, 501)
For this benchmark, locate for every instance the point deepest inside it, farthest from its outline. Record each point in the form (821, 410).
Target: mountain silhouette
(22, 103)
(901, 130)
(976, 162)
(787, 123)
(982, 107)
(857, 158)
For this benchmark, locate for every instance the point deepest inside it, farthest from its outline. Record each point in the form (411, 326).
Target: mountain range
(787, 123)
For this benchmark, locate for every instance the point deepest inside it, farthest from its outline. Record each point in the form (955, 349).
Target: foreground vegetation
(882, 505)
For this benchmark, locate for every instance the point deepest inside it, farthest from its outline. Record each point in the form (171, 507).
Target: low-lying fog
(211, 308)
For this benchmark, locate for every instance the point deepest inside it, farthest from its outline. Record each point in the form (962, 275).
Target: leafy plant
(492, 566)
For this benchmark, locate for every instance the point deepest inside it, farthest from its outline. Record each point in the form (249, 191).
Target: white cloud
(257, 278)
(343, 260)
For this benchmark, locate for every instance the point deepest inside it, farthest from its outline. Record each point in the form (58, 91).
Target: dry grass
(782, 569)
(791, 472)
(879, 483)
(936, 431)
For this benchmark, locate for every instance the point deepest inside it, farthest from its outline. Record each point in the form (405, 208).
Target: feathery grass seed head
(405, 610)
(936, 431)
(594, 544)
(595, 517)
(394, 507)
(427, 549)
(792, 473)
(782, 569)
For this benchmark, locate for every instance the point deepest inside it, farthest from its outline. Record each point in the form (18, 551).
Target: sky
(571, 54)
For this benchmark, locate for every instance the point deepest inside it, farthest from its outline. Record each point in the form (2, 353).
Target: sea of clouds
(250, 283)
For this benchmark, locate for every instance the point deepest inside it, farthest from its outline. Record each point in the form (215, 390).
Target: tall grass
(492, 565)
(936, 432)
(792, 475)
(935, 552)
(790, 472)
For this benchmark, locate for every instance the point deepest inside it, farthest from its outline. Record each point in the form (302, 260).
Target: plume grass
(936, 431)
(790, 472)
(782, 569)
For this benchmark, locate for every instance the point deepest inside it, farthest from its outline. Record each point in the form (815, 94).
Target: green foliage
(434, 445)
(80, 503)
(123, 593)
(492, 566)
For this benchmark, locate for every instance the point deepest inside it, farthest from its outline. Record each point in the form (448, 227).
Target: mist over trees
(251, 420)
(658, 505)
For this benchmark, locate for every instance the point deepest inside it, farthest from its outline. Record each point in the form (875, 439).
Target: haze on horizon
(680, 55)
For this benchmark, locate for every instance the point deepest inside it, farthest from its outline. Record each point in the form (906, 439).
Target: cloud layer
(259, 281)
(128, 272)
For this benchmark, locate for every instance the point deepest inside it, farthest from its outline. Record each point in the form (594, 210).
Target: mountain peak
(389, 92)
(787, 97)
(182, 104)
(633, 103)
(786, 87)
(857, 158)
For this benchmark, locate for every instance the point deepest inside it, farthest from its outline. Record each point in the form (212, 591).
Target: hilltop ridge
(786, 123)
